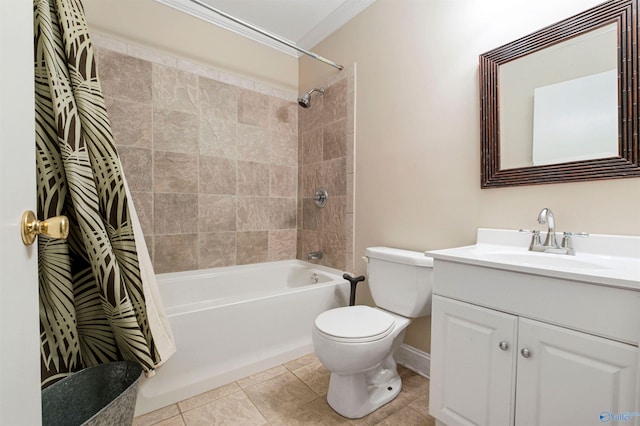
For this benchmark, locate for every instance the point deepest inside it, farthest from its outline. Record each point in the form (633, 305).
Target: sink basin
(611, 260)
(545, 260)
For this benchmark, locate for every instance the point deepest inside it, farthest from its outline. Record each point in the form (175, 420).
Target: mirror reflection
(560, 104)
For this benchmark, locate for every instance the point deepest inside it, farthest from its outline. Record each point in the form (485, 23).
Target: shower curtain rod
(268, 34)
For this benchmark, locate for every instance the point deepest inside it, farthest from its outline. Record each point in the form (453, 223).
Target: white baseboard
(414, 359)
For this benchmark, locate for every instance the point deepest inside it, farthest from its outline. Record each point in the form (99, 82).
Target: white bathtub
(235, 321)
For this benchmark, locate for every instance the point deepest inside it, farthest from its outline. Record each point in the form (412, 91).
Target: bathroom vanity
(528, 338)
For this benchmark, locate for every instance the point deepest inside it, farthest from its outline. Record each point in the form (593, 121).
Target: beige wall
(151, 24)
(417, 177)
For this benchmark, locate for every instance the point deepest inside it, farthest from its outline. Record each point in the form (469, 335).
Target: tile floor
(290, 394)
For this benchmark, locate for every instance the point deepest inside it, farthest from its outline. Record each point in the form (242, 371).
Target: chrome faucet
(546, 216)
(550, 244)
(314, 255)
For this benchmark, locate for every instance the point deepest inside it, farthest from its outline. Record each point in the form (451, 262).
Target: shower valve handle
(354, 281)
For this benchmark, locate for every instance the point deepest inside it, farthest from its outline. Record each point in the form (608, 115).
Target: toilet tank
(401, 281)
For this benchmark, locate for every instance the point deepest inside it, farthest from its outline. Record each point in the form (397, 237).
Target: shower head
(305, 100)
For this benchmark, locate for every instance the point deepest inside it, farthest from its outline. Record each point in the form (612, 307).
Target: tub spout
(314, 255)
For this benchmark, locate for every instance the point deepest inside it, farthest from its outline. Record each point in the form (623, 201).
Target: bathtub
(232, 322)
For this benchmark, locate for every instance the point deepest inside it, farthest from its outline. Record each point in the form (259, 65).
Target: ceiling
(302, 22)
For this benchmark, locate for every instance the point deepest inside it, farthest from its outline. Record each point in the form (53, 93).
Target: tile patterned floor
(290, 394)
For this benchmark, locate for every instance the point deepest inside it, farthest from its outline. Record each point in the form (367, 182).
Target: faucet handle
(535, 237)
(567, 242)
(566, 237)
(534, 232)
(575, 234)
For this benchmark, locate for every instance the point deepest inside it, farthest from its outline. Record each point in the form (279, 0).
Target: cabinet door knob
(525, 352)
(503, 345)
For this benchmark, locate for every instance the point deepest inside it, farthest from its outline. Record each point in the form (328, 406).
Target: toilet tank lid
(407, 257)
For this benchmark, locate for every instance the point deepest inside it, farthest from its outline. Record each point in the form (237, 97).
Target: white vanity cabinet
(520, 338)
(493, 368)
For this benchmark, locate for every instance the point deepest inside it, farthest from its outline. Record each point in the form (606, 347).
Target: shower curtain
(98, 296)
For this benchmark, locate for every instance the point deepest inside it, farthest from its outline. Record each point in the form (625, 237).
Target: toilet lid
(361, 323)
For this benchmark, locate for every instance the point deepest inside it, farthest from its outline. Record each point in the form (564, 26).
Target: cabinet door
(571, 378)
(472, 364)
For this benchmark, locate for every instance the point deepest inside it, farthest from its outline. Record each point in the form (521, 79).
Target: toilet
(356, 343)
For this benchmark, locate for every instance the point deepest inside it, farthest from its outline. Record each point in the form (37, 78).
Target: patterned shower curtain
(97, 288)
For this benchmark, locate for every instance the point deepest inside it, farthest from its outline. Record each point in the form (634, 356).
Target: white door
(19, 325)
(472, 364)
(571, 378)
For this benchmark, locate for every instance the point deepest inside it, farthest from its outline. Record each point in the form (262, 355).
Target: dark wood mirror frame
(625, 14)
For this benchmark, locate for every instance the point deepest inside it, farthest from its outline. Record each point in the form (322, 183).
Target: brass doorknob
(54, 227)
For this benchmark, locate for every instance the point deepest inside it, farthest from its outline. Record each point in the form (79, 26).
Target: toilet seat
(355, 324)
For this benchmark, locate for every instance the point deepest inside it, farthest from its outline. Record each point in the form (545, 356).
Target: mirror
(560, 105)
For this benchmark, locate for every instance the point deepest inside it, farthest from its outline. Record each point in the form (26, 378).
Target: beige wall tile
(309, 118)
(334, 176)
(216, 213)
(310, 215)
(332, 216)
(124, 77)
(282, 213)
(174, 89)
(312, 146)
(253, 108)
(335, 102)
(143, 202)
(253, 214)
(136, 163)
(253, 178)
(252, 247)
(283, 115)
(283, 148)
(175, 172)
(218, 99)
(174, 213)
(308, 241)
(333, 247)
(253, 143)
(175, 131)
(312, 179)
(218, 138)
(173, 253)
(282, 244)
(334, 140)
(130, 122)
(217, 175)
(216, 249)
(283, 181)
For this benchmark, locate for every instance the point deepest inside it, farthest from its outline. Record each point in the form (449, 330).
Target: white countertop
(610, 260)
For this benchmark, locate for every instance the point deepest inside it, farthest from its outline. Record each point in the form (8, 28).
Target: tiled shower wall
(325, 158)
(212, 161)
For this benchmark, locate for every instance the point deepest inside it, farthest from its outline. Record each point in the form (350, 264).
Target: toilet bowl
(357, 343)
(363, 371)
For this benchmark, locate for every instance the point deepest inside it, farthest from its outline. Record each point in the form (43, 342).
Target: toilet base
(356, 395)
